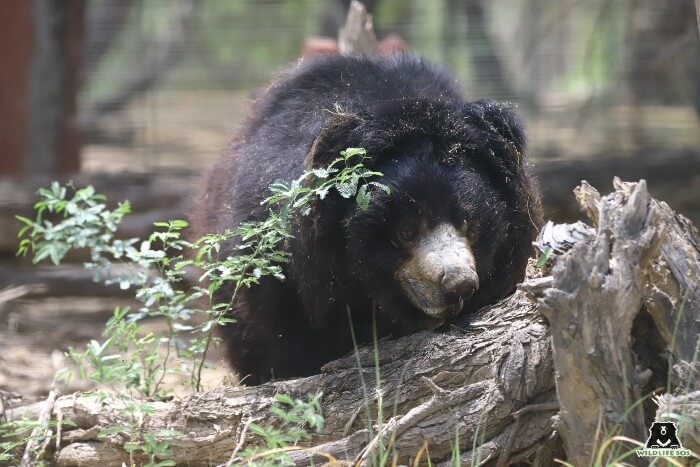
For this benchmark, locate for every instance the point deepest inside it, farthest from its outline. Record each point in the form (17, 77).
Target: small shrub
(130, 363)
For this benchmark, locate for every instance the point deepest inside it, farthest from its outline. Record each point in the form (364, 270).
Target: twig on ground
(42, 432)
(241, 441)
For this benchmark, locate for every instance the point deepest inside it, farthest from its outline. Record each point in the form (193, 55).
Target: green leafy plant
(84, 221)
(296, 418)
(154, 446)
(14, 435)
(131, 363)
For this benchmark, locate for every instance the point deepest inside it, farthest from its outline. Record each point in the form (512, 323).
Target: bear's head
(453, 233)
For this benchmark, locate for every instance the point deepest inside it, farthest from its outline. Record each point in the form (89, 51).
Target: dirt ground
(35, 333)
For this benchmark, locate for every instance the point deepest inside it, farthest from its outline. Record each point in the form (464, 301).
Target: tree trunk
(592, 307)
(489, 73)
(15, 29)
(490, 378)
(53, 145)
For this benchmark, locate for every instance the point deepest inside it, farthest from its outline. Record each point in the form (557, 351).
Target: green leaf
(362, 198)
(320, 173)
(544, 257)
(284, 398)
(350, 152)
(381, 186)
(347, 190)
(24, 220)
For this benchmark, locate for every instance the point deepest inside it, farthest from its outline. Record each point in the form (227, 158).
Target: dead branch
(357, 35)
(41, 433)
(59, 281)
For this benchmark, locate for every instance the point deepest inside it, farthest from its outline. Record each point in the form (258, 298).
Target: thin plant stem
(365, 392)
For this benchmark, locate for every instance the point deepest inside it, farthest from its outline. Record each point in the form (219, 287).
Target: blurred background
(138, 97)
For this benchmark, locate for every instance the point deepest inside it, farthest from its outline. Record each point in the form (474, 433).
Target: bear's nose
(457, 286)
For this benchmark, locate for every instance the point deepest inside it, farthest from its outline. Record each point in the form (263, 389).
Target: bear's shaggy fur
(447, 162)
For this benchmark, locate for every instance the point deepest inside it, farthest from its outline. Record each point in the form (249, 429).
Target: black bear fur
(441, 155)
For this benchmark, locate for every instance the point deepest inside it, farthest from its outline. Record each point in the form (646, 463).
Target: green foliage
(544, 257)
(455, 457)
(130, 361)
(87, 223)
(296, 418)
(15, 434)
(130, 357)
(154, 446)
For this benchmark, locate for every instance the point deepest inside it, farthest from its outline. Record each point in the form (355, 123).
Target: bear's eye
(407, 232)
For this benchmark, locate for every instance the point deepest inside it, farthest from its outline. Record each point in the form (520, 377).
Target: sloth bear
(453, 234)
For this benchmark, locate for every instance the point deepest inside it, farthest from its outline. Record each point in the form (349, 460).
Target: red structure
(39, 77)
(16, 40)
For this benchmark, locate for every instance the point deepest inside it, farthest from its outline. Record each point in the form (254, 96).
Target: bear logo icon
(663, 435)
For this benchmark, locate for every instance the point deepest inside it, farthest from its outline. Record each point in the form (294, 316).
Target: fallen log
(63, 281)
(489, 380)
(464, 381)
(673, 173)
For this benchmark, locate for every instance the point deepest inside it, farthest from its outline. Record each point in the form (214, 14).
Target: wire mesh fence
(166, 82)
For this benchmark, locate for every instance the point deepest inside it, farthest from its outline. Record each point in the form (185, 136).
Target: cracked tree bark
(615, 306)
(479, 375)
(596, 294)
(491, 377)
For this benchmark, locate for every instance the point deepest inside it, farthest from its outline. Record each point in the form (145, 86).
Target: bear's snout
(440, 273)
(458, 285)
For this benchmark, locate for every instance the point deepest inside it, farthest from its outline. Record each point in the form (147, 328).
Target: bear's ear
(337, 134)
(500, 120)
